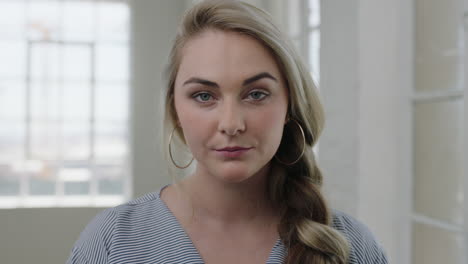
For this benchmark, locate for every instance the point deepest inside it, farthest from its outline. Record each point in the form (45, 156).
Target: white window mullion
(437, 96)
(465, 82)
(312, 28)
(92, 133)
(93, 183)
(24, 180)
(60, 184)
(422, 219)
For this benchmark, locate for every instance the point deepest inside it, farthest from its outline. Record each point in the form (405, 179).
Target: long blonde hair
(305, 218)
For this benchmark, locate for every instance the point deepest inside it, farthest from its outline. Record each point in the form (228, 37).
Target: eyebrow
(246, 81)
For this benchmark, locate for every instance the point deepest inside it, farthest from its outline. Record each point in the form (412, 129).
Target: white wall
(366, 82)
(154, 27)
(339, 84)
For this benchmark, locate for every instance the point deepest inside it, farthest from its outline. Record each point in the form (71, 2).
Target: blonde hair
(295, 189)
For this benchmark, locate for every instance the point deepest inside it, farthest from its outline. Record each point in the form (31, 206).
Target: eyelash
(196, 96)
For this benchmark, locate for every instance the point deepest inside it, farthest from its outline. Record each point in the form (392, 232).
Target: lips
(232, 152)
(232, 149)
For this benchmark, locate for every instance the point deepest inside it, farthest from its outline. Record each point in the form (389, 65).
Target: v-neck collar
(277, 254)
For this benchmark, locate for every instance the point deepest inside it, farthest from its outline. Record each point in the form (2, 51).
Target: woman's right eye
(202, 97)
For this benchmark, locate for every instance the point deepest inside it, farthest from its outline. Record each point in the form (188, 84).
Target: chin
(235, 173)
(233, 176)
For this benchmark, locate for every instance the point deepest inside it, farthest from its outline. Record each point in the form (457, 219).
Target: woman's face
(231, 102)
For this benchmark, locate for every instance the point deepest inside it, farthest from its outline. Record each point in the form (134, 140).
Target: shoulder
(130, 213)
(105, 231)
(364, 246)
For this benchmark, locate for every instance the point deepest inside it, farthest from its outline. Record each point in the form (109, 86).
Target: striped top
(145, 231)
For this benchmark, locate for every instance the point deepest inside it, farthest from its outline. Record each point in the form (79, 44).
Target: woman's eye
(257, 95)
(203, 97)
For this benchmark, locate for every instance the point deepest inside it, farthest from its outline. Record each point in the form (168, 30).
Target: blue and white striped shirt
(145, 231)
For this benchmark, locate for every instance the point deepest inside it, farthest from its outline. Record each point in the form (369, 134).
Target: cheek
(194, 125)
(270, 126)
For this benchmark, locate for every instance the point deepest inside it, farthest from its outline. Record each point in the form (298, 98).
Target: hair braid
(305, 217)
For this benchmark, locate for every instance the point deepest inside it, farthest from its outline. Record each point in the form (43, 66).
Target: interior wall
(380, 118)
(154, 27)
(366, 67)
(339, 86)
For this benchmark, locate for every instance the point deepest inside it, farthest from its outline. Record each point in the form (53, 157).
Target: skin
(228, 92)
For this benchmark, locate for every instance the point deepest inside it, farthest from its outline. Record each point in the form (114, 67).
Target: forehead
(225, 56)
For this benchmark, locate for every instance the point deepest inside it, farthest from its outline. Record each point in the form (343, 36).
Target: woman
(241, 100)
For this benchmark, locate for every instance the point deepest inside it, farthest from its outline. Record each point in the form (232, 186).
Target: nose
(231, 120)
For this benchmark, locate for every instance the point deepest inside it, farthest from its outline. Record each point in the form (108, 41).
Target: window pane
(439, 62)
(432, 245)
(12, 102)
(45, 101)
(41, 177)
(11, 140)
(76, 102)
(77, 62)
(44, 127)
(112, 102)
(438, 154)
(9, 179)
(76, 141)
(74, 171)
(77, 188)
(110, 179)
(112, 22)
(314, 16)
(75, 176)
(112, 63)
(44, 140)
(12, 128)
(12, 20)
(60, 121)
(45, 61)
(43, 19)
(314, 54)
(13, 64)
(41, 187)
(78, 21)
(111, 142)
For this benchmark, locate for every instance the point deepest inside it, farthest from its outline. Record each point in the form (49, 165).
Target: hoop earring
(303, 146)
(170, 152)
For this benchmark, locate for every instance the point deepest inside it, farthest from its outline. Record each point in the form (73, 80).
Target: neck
(213, 200)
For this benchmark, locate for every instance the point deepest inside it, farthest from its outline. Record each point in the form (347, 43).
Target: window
(304, 29)
(439, 216)
(303, 26)
(64, 84)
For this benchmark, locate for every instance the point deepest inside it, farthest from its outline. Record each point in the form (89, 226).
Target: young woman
(239, 97)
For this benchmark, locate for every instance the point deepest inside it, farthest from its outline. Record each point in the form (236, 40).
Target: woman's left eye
(257, 95)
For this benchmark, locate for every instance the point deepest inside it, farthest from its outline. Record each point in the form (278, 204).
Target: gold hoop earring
(170, 152)
(303, 146)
